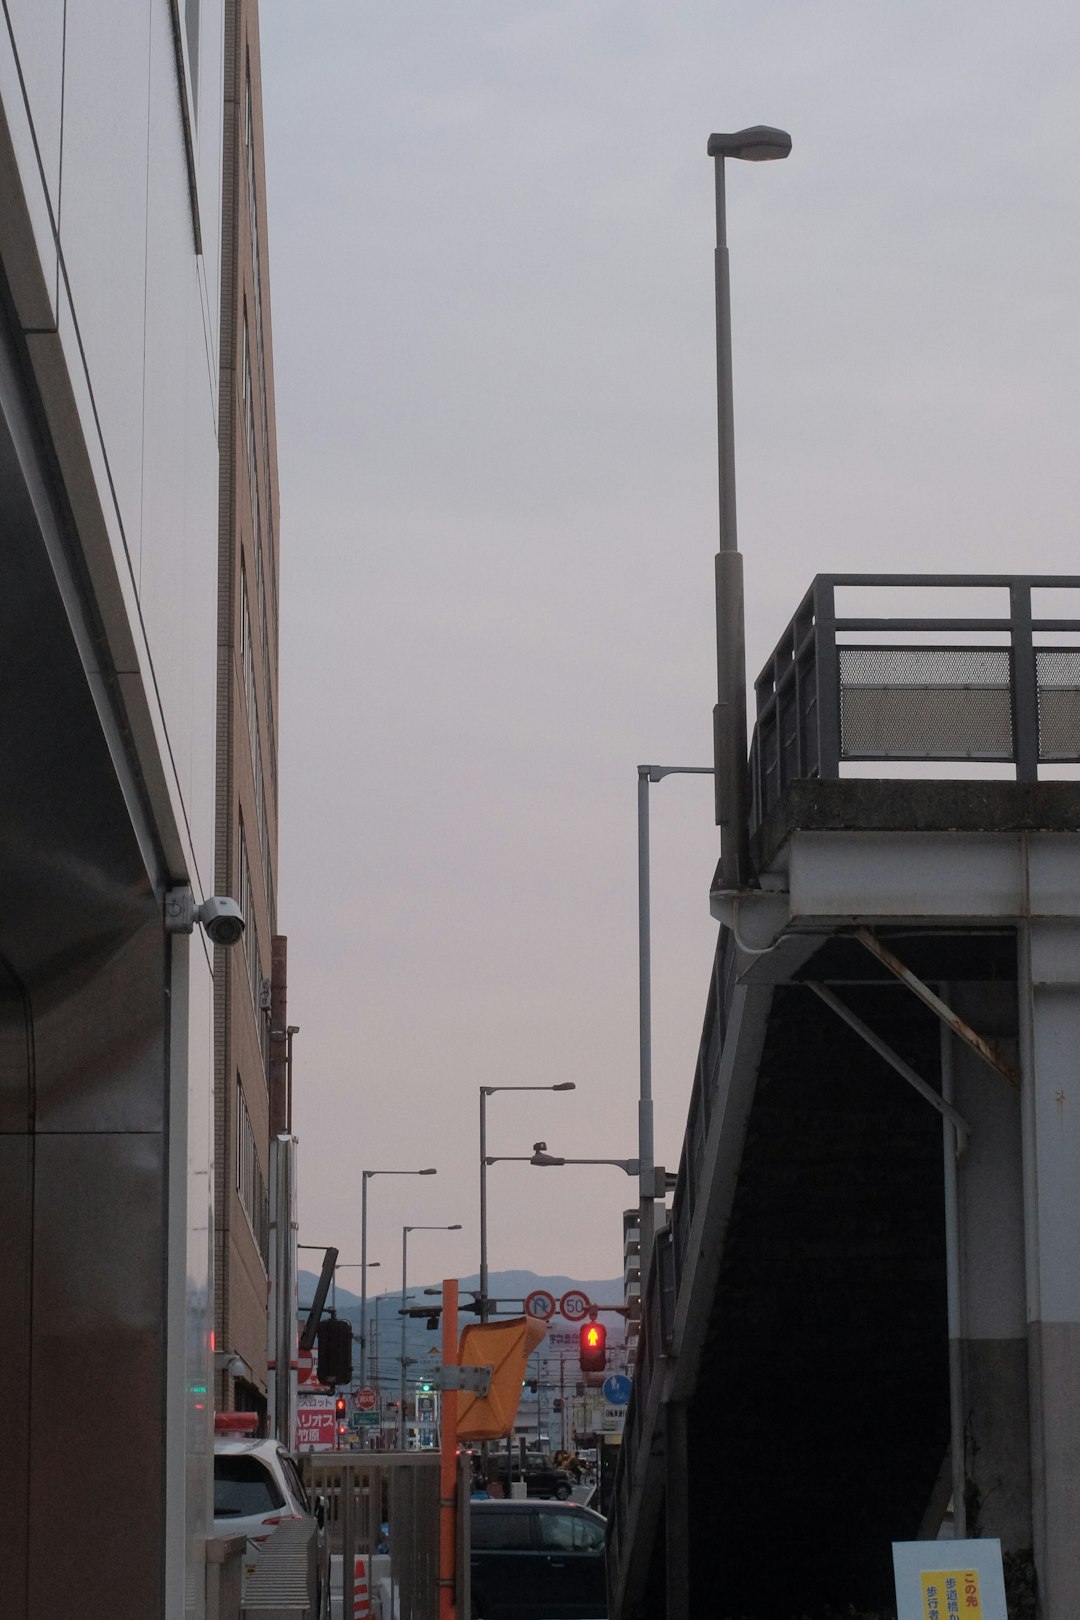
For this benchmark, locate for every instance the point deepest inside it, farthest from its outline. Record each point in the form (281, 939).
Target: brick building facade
(246, 826)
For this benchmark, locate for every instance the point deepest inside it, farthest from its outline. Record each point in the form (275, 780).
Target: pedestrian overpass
(862, 1321)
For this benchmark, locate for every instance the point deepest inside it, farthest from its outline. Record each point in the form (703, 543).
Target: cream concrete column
(1049, 990)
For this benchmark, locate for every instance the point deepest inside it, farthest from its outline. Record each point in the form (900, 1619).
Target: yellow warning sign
(951, 1594)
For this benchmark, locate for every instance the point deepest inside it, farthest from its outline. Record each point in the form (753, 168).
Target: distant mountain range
(423, 1343)
(503, 1285)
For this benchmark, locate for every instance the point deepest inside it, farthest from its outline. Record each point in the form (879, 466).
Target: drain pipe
(950, 1139)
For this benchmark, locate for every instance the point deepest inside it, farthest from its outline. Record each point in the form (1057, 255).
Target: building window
(251, 931)
(250, 1181)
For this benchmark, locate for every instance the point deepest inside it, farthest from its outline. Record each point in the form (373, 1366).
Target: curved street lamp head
(541, 1156)
(760, 144)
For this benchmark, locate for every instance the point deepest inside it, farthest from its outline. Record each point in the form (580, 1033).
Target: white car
(257, 1488)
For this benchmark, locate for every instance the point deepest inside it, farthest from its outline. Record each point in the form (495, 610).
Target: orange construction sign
(505, 1347)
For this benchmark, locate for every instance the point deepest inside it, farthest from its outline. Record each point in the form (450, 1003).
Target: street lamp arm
(544, 1161)
(367, 1174)
(563, 1085)
(656, 773)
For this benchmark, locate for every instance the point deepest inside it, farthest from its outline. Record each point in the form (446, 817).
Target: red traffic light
(339, 1406)
(592, 1346)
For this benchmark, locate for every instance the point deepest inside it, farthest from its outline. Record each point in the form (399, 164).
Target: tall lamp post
(646, 1140)
(485, 1093)
(405, 1230)
(364, 1179)
(757, 145)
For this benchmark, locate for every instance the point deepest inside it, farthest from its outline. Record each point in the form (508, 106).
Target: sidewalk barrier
(382, 1514)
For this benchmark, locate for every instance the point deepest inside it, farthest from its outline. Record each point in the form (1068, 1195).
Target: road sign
(540, 1304)
(613, 1419)
(306, 1376)
(575, 1305)
(616, 1389)
(949, 1577)
(315, 1427)
(366, 1400)
(363, 1420)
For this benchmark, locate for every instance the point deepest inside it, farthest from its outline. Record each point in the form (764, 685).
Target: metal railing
(829, 694)
(660, 1300)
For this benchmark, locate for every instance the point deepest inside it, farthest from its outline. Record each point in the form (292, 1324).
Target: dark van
(535, 1560)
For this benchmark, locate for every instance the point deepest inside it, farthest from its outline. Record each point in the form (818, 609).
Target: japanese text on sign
(951, 1594)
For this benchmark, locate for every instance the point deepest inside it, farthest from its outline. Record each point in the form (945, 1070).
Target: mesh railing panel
(925, 703)
(1057, 673)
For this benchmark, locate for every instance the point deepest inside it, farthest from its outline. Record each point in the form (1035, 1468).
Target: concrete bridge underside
(832, 1354)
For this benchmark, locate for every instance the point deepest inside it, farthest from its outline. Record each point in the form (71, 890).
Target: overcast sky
(491, 232)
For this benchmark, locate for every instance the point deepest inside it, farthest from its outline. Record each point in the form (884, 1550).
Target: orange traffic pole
(448, 1459)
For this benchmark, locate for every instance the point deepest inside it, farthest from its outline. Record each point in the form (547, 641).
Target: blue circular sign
(616, 1389)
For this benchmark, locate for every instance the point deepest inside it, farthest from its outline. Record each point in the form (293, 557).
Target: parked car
(542, 1478)
(257, 1488)
(534, 1560)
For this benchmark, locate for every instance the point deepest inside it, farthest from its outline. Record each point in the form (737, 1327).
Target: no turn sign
(540, 1304)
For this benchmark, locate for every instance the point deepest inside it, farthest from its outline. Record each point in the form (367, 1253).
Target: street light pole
(756, 145)
(405, 1230)
(646, 1139)
(365, 1177)
(485, 1093)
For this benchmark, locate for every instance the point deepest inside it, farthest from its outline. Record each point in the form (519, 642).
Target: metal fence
(365, 1491)
(829, 693)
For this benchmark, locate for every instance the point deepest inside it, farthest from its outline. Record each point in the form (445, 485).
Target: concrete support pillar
(988, 1326)
(1049, 984)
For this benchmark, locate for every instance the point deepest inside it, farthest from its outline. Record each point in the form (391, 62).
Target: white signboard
(949, 1580)
(614, 1419)
(561, 1339)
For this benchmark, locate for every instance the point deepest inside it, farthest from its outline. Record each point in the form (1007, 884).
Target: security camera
(539, 1147)
(222, 919)
(220, 916)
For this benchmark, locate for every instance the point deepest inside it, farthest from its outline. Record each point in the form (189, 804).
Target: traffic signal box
(335, 1352)
(592, 1346)
(340, 1418)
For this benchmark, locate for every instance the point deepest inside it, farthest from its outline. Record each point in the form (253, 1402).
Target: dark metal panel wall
(98, 1038)
(15, 1195)
(82, 1094)
(96, 1384)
